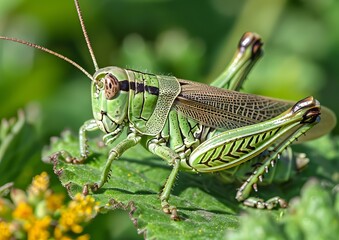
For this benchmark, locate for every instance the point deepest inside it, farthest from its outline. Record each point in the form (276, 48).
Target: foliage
(135, 184)
(314, 215)
(207, 208)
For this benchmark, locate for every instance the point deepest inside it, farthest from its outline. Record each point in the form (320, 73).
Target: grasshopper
(196, 127)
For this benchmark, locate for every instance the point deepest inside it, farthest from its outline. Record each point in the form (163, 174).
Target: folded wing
(224, 109)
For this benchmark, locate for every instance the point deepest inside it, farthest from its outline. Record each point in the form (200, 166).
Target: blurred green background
(189, 39)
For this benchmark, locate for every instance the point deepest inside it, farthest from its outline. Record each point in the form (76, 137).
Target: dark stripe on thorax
(152, 90)
(139, 88)
(124, 85)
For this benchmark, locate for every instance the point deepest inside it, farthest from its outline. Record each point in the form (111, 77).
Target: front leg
(88, 126)
(131, 140)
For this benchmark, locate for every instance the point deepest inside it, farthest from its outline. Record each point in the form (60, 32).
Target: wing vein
(225, 109)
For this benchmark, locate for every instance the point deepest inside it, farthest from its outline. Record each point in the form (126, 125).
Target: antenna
(77, 6)
(33, 45)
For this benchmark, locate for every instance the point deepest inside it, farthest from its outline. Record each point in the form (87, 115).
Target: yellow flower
(83, 237)
(70, 220)
(81, 209)
(38, 229)
(23, 211)
(5, 232)
(85, 206)
(57, 233)
(32, 213)
(39, 184)
(54, 201)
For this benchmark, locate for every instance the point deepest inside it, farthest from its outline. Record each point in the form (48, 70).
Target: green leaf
(18, 139)
(206, 206)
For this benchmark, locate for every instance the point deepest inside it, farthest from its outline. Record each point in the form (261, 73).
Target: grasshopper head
(110, 97)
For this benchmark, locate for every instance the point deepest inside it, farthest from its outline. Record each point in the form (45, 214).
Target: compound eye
(111, 86)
